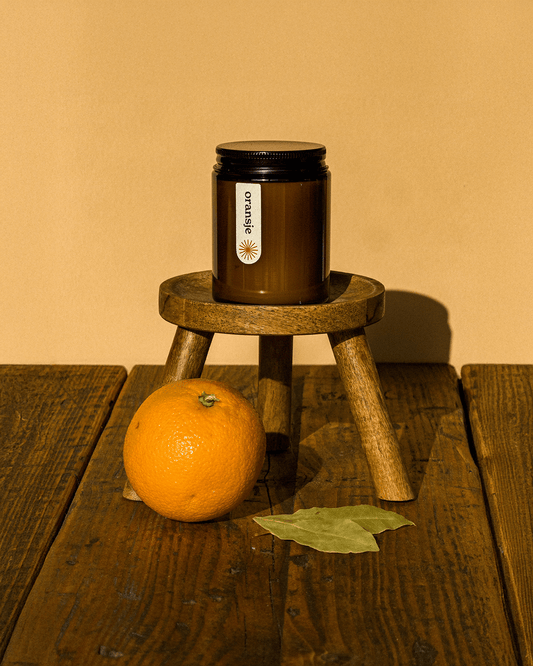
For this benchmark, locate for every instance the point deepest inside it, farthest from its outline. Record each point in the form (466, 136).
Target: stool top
(355, 301)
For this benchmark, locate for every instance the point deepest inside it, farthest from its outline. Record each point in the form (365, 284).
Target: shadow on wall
(414, 329)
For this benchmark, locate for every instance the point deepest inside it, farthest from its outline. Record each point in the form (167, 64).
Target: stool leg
(362, 385)
(187, 355)
(274, 390)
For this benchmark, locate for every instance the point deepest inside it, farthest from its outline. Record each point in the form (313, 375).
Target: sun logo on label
(248, 250)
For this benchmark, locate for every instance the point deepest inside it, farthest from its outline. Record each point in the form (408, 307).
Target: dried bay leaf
(345, 529)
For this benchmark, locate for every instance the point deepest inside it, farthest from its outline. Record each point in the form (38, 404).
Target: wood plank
(432, 594)
(122, 581)
(500, 407)
(50, 418)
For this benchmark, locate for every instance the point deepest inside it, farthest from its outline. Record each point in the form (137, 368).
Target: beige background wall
(110, 111)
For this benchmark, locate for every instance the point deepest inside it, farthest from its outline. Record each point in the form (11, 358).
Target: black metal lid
(271, 160)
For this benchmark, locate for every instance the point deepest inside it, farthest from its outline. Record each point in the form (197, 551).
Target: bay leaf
(345, 529)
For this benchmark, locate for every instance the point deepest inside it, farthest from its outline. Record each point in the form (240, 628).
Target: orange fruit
(191, 456)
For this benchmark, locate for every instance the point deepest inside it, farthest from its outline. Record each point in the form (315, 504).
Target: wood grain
(355, 301)
(124, 582)
(187, 355)
(51, 418)
(362, 386)
(500, 407)
(432, 595)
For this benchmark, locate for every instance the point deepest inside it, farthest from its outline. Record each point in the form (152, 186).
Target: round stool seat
(355, 302)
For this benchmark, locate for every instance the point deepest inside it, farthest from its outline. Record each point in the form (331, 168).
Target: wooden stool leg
(274, 390)
(362, 385)
(187, 355)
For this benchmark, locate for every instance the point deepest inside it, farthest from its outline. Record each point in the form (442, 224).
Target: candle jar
(271, 223)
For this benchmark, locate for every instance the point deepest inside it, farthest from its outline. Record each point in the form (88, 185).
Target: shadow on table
(415, 329)
(283, 476)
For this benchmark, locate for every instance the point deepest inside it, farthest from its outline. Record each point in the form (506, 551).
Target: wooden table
(87, 577)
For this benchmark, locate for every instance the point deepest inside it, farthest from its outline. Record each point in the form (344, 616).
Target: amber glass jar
(271, 223)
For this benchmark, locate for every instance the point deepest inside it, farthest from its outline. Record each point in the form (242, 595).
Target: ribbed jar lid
(288, 150)
(271, 158)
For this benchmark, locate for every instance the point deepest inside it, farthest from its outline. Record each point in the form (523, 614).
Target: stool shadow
(414, 329)
(284, 474)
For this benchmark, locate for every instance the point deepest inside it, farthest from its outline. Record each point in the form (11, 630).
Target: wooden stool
(355, 302)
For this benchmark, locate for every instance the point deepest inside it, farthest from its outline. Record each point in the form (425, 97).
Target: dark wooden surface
(500, 404)
(121, 584)
(50, 420)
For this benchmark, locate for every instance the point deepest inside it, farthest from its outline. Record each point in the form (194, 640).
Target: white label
(248, 221)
